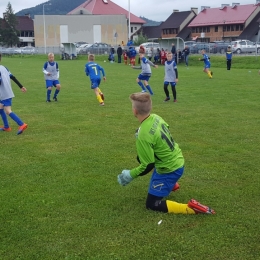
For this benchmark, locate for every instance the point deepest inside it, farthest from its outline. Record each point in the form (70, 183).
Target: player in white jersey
(6, 96)
(171, 77)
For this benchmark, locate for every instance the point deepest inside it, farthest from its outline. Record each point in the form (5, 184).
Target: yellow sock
(100, 100)
(99, 91)
(178, 208)
(209, 74)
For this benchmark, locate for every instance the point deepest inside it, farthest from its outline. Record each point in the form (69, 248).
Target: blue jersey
(206, 59)
(93, 70)
(229, 55)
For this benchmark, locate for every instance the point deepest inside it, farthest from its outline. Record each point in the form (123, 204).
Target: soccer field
(59, 193)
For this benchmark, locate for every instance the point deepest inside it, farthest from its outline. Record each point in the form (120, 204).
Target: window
(135, 28)
(200, 29)
(193, 29)
(232, 28)
(228, 28)
(132, 29)
(208, 29)
(216, 28)
(241, 27)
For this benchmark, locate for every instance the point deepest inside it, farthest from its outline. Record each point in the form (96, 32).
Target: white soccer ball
(105, 61)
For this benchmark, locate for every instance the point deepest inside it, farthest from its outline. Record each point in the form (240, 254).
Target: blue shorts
(207, 66)
(161, 184)
(6, 102)
(51, 83)
(173, 84)
(144, 77)
(95, 83)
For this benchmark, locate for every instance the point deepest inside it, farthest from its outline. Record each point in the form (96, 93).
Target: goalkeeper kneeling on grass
(158, 151)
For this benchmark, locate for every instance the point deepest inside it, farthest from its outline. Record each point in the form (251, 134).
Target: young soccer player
(125, 57)
(51, 75)
(6, 96)
(158, 152)
(171, 77)
(146, 71)
(92, 69)
(206, 59)
(229, 57)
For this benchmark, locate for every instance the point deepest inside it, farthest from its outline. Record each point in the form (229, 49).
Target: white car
(28, 50)
(243, 46)
(82, 46)
(148, 45)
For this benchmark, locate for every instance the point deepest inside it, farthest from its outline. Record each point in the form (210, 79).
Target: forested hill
(61, 7)
(57, 7)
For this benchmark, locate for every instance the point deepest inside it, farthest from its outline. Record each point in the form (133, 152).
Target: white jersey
(52, 69)
(6, 91)
(170, 75)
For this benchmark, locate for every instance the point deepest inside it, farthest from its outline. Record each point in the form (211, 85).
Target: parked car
(96, 48)
(28, 50)
(82, 46)
(196, 48)
(218, 46)
(243, 46)
(77, 44)
(148, 45)
(189, 43)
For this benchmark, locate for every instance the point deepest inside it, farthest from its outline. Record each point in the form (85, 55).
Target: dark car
(96, 48)
(198, 46)
(218, 47)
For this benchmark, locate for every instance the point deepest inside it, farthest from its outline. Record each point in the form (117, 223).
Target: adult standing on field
(119, 52)
(158, 152)
(186, 53)
(6, 96)
(173, 51)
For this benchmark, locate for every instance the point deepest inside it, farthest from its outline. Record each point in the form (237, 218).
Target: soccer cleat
(55, 99)
(175, 100)
(21, 129)
(6, 129)
(48, 101)
(102, 104)
(176, 186)
(211, 73)
(102, 96)
(166, 99)
(143, 91)
(199, 208)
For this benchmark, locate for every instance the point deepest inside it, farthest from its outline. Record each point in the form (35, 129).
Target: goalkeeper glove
(124, 178)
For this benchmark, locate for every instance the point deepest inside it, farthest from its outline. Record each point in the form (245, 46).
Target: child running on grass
(51, 75)
(207, 64)
(171, 77)
(6, 96)
(92, 69)
(146, 71)
(158, 152)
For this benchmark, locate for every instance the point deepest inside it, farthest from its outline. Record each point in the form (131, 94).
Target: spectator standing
(150, 53)
(163, 56)
(173, 51)
(186, 53)
(119, 53)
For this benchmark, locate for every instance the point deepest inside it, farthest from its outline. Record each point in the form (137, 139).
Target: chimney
(224, 5)
(233, 4)
(204, 7)
(175, 10)
(28, 15)
(195, 9)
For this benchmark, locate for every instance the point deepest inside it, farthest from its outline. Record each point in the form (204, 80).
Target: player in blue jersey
(158, 152)
(171, 77)
(229, 57)
(146, 71)
(206, 59)
(92, 69)
(6, 96)
(51, 76)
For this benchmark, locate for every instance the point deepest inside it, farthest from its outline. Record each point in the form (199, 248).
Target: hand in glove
(124, 178)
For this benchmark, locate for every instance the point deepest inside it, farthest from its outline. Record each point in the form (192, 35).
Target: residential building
(228, 22)
(107, 7)
(26, 30)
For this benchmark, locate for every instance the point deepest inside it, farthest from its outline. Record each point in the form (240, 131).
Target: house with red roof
(26, 30)
(228, 22)
(107, 7)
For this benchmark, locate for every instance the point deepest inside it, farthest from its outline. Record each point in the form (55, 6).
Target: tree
(141, 39)
(8, 31)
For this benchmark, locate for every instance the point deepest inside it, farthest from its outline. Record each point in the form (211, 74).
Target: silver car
(243, 46)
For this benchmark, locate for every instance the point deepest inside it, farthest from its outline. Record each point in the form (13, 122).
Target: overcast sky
(156, 10)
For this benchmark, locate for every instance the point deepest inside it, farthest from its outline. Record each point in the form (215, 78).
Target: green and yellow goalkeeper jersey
(156, 148)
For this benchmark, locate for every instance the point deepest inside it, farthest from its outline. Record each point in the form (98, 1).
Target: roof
(152, 32)
(106, 7)
(228, 15)
(252, 29)
(175, 19)
(25, 23)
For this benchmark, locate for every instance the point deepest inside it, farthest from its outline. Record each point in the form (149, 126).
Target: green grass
(59, 193)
